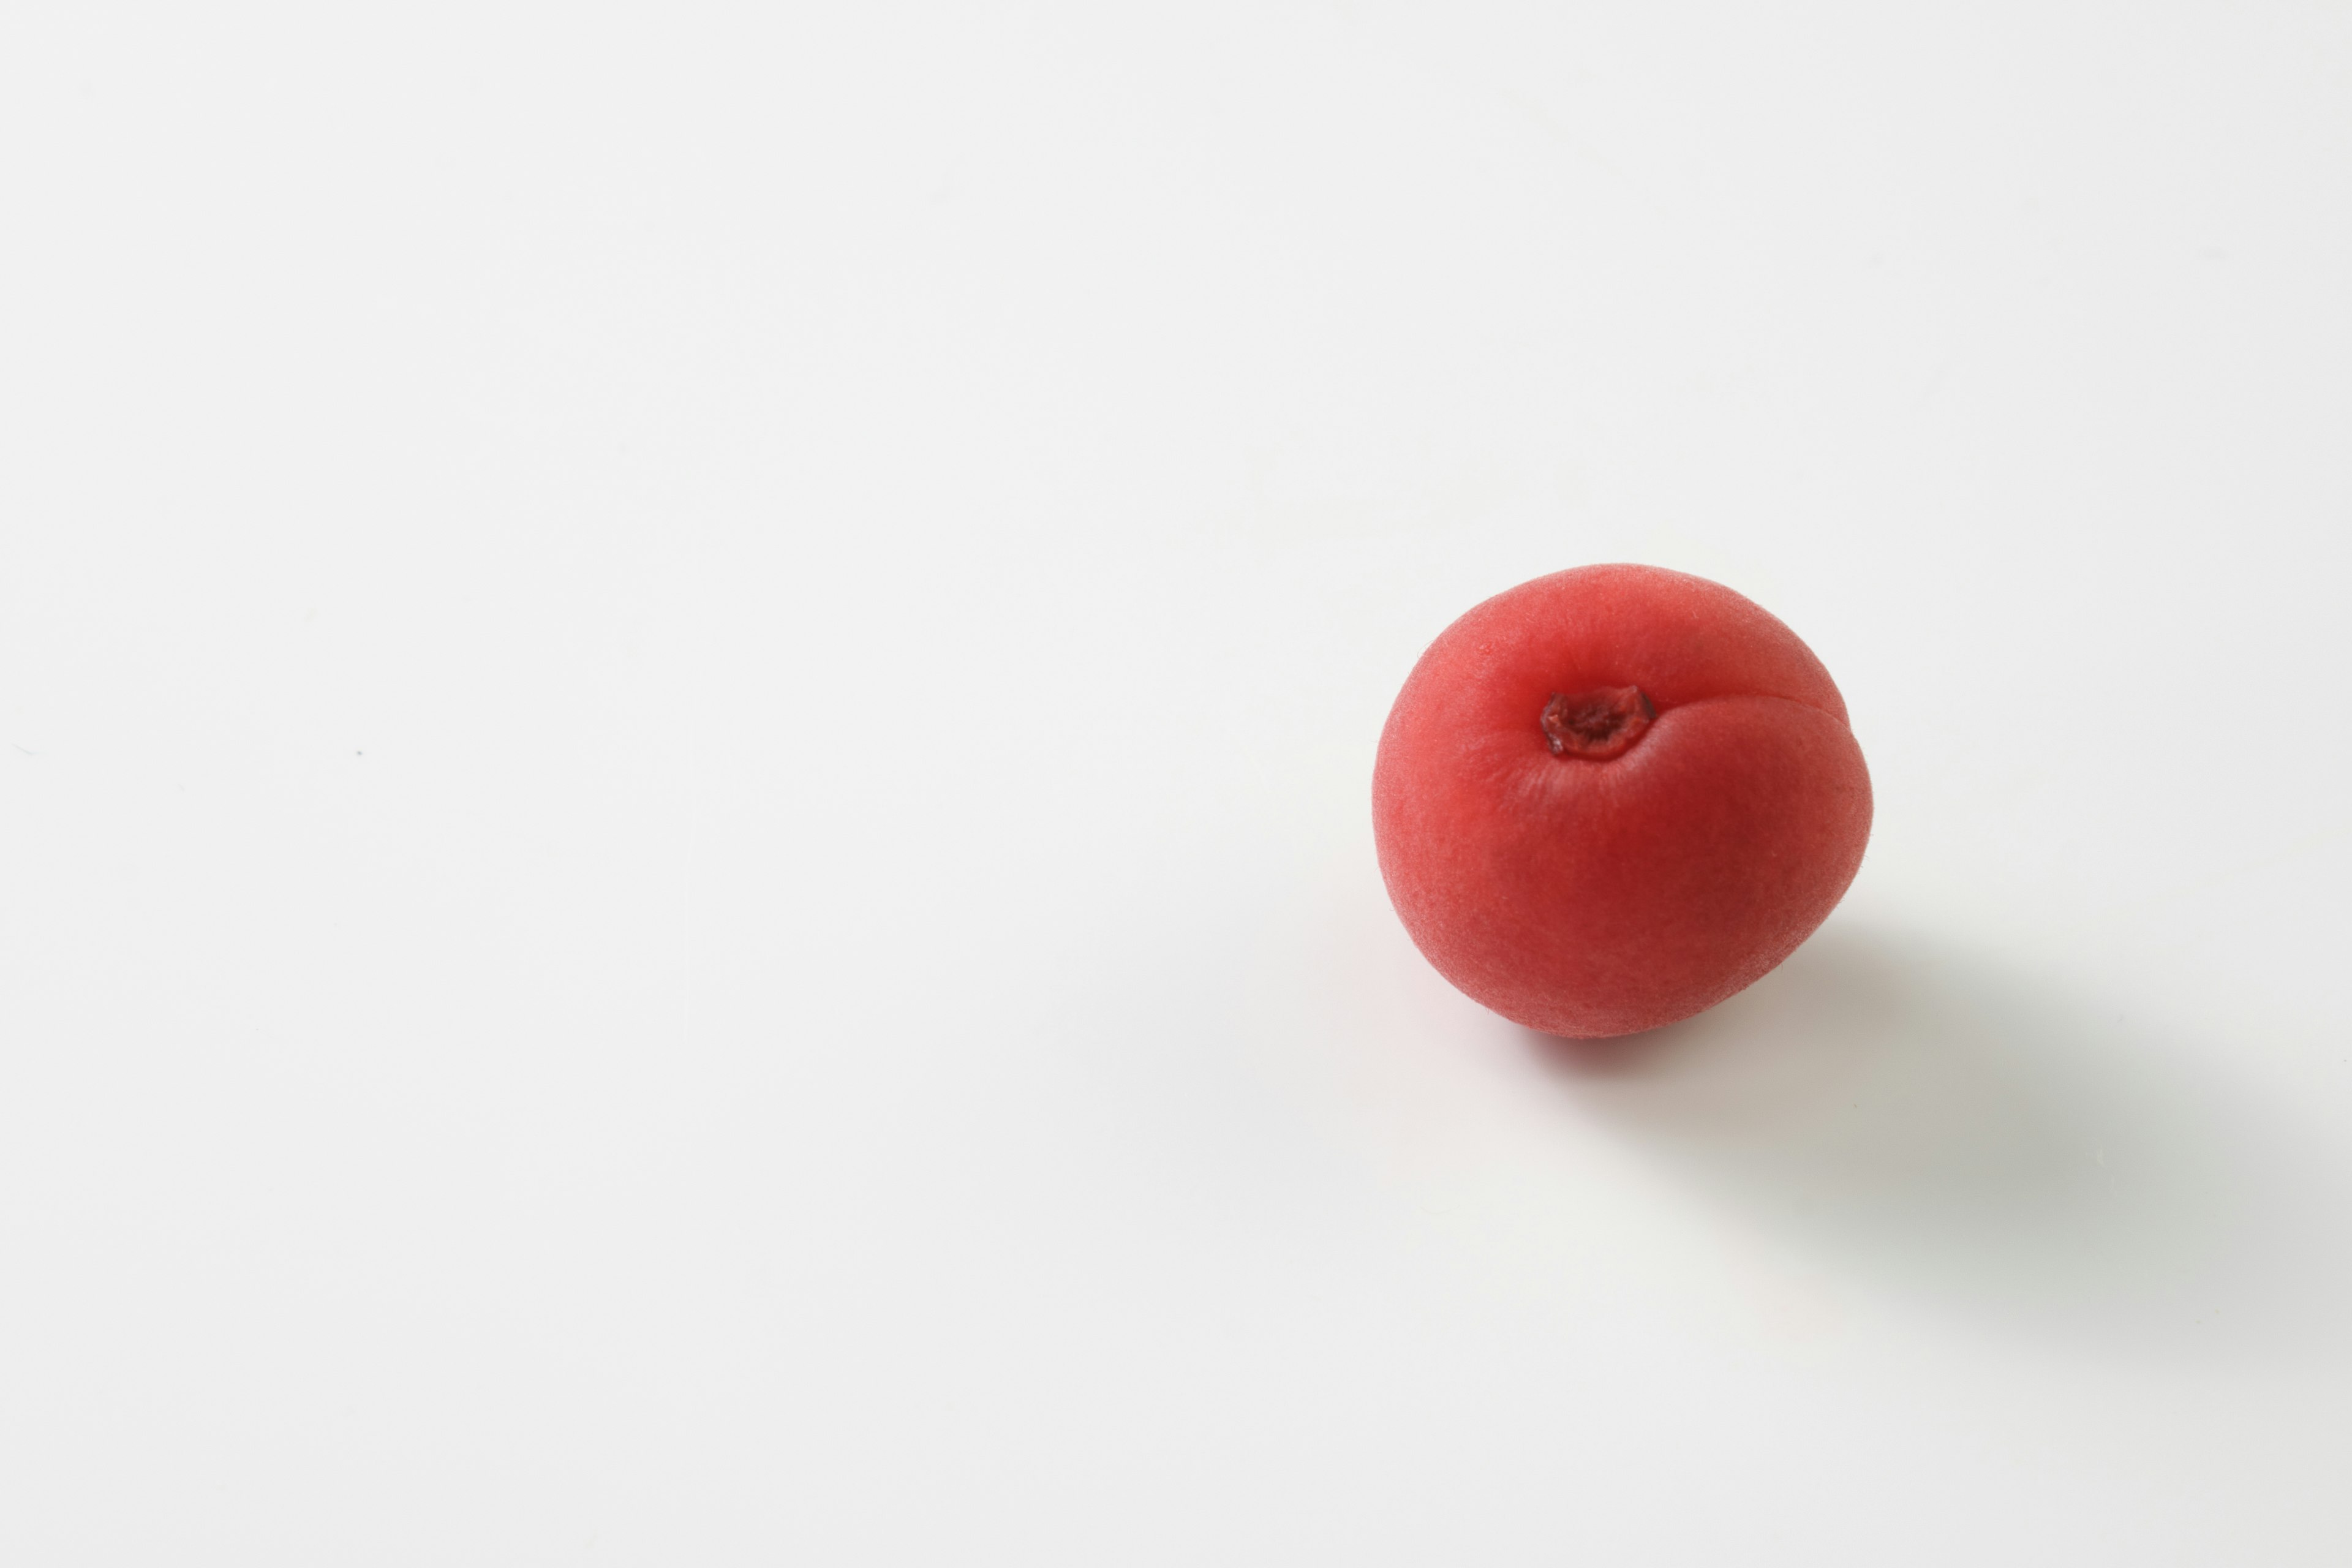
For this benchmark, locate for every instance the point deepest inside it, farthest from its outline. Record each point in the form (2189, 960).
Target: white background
(686, 707)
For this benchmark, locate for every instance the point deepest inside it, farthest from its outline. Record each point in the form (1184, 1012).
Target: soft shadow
(1945, 1125)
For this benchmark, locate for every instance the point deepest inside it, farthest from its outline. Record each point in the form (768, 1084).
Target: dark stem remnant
(1597, 725)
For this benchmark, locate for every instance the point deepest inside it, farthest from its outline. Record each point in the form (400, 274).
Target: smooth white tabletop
(686, 709)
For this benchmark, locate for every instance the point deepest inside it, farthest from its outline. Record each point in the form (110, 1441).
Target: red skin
(1584, 870)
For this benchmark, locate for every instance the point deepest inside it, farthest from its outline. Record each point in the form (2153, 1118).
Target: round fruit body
(1613, 796)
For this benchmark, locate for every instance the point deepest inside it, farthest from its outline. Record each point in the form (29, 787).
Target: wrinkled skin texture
(1584, 886)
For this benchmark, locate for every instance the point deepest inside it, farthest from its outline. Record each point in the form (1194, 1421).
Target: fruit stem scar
(1597, 725)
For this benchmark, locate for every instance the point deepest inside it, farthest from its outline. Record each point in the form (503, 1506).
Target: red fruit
(1612, 797)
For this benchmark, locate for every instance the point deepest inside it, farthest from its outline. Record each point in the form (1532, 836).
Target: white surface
(684, 862)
